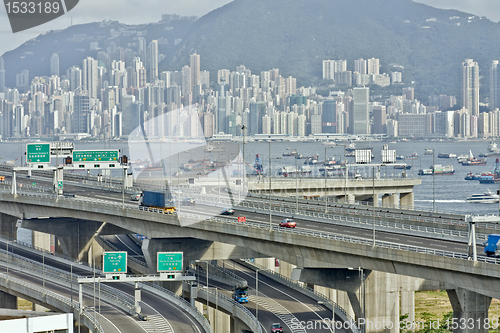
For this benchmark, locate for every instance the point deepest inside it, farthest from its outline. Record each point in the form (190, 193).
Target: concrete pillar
(8, 301)
(406, 200)
(219, 321)
(375, 200)
(351, 199)
(389, 200)
(382, 303)
(470, 309)
(408, 305)
(8, 225)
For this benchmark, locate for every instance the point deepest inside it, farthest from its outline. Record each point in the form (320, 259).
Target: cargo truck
(240, 294)
(162, 200)
(491, 245)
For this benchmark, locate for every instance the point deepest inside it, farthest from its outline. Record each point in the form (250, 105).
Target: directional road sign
(169, 262)
(38, 152)
(114, 262)
(92, 156)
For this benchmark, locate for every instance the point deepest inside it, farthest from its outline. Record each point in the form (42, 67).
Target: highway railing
(247, 317)
(337, 309)
(179, 301)
(306, 211)
(56, 300)
(55, 275)
(314, 233)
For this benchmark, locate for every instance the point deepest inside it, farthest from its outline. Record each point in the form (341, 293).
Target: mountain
(296, 35)
(73, 44)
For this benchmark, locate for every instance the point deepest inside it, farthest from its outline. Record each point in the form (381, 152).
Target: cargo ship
(473, 160)
(438, 170)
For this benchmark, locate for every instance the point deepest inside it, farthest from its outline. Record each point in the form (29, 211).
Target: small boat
(492, 147)
(402, 166)
(292, 153)
(471, 176)
(413, 156)
(438, 170)
(428, 152)
(447, 155)
(351, 147)
(487, 197)
(328, 143)
(471, 160)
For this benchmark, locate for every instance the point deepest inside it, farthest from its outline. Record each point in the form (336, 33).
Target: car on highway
(135, 196)
(188, 202)
(288, 223)
(227, 211)
(276, 328)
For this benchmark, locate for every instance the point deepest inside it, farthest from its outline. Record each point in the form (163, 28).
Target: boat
(492, 147)
(471, 176)
(293, 153)
(487, 178)
(493, 154)
(402, 166)
(350, 147)
(486, 197)
(400, 157)
(413, 156)
(328, 143)
(312, 161)
(210, 148)
(438, 170)
(428, 152)
(447, 155)
(471, 160)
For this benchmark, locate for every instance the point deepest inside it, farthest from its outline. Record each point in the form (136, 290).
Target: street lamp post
(373, 205)
(243, 128)
(296, 180)
(206, 264)
(433, 179)
(270, 187)
(257, 295)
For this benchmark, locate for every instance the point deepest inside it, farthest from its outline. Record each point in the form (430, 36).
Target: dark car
(288, 223)
(227, 211)
(276, 328)
(188, 202)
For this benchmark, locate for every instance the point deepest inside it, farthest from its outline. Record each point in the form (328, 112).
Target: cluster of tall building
(366, 73)
(123, 91)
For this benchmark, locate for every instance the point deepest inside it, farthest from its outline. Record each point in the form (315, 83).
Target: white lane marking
(156, 323)
(286, 294)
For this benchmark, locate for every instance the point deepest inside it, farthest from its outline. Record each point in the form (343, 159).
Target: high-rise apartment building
(152, 62)
(494, 85)
(90, 76)
(470, 86)
(360, 66)
(360, 123)
(329, 116)
(194, 63)
(54, 64)
(373, 66)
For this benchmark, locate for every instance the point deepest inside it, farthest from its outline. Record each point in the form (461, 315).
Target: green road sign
(169, 262)
(92, 156)
(114, 262)
(60, 184)
(38, 153)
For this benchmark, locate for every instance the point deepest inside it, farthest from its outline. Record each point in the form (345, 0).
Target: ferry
(293, 153)
(487, 197)
(438, 170)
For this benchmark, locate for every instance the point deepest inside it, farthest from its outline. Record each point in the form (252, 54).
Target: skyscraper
(470, 86)
(195, 69)
(373, 66)
(360, 66)
(360, 115)
(494, 85)
(329, 116)
(90, 76)
(152, 62)
(54, 64)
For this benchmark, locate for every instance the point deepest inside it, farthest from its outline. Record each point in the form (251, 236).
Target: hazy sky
(143, 11)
